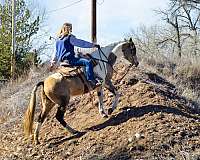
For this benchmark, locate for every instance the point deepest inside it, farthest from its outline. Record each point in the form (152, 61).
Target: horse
(57, 89)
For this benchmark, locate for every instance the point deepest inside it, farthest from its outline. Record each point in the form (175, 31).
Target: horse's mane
(116, 48)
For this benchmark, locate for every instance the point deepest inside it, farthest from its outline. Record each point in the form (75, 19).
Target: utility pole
(13, 41)
(94, 21)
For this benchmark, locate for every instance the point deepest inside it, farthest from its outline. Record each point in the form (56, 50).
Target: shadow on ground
(131, 112)
(122, 117)
(62, 139)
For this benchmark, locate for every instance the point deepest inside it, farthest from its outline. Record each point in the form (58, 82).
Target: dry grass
(189, 74)
(14, 95)
(185, 75)
(163, 59)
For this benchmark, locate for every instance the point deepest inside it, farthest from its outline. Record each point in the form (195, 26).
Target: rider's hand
(80, 54)
(97, 46)
(52, 66)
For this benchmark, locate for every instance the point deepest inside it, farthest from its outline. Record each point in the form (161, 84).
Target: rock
(140, 148)
(165, 146)
(137, 135)
(110, 95)
(130, 139)
(132, 81)
(183, 133)
(50, 145)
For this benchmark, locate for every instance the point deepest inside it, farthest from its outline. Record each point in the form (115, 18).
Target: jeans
(74, 61)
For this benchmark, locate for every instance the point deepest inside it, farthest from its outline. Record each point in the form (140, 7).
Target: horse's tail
(29, 114)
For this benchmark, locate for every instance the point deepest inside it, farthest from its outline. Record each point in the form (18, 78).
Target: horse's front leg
(113, 90)
(100, 105)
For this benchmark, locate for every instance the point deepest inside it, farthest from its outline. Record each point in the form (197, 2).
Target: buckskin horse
(57, 88)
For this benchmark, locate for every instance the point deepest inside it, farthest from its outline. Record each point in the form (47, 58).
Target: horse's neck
(101, 69)
(117, 50)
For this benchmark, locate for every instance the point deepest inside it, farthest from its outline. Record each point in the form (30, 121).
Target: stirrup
(95, 84)
(64, 64)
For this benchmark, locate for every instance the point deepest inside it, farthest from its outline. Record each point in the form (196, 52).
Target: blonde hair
(65, 30)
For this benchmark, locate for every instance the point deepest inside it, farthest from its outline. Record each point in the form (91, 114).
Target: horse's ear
(130, 40)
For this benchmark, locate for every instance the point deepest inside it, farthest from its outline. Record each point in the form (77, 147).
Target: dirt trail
(151, 122)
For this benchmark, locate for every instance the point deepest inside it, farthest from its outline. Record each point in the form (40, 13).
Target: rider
(65, 52)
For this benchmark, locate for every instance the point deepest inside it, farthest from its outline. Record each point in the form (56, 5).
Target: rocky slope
(151, 122)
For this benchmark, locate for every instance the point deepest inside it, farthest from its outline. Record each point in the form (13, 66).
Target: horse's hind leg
(46, 107)
(60, 115)
(113, 90)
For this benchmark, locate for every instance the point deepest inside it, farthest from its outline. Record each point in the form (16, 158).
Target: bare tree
(184, 17)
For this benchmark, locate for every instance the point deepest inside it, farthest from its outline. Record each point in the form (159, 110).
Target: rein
(127, 70)
(100, 51)
(107, 61)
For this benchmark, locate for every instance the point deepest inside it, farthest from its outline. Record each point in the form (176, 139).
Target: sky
(115, 18)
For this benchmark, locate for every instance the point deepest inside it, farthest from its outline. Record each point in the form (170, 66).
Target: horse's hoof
(105, 116)
(79, 134)
(110, 110)
(37, 142)
(25, 140)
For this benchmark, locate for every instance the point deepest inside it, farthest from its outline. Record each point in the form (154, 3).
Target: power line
(69, 5)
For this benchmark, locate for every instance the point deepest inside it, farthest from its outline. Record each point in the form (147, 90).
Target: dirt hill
(151, 122)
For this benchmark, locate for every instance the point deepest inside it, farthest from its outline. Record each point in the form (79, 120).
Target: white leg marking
(37, 130)
(101, 107)
(100, 100)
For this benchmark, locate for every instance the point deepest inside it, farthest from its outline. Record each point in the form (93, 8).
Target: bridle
(132, 48)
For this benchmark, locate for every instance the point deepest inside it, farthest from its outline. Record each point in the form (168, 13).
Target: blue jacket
(65, 47)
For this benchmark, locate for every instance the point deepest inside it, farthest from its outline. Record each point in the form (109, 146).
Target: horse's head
(129, 52)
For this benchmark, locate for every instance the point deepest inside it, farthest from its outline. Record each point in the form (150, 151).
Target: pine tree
(26, 28)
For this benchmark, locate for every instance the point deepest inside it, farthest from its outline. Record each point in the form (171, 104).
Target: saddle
(68, 70)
